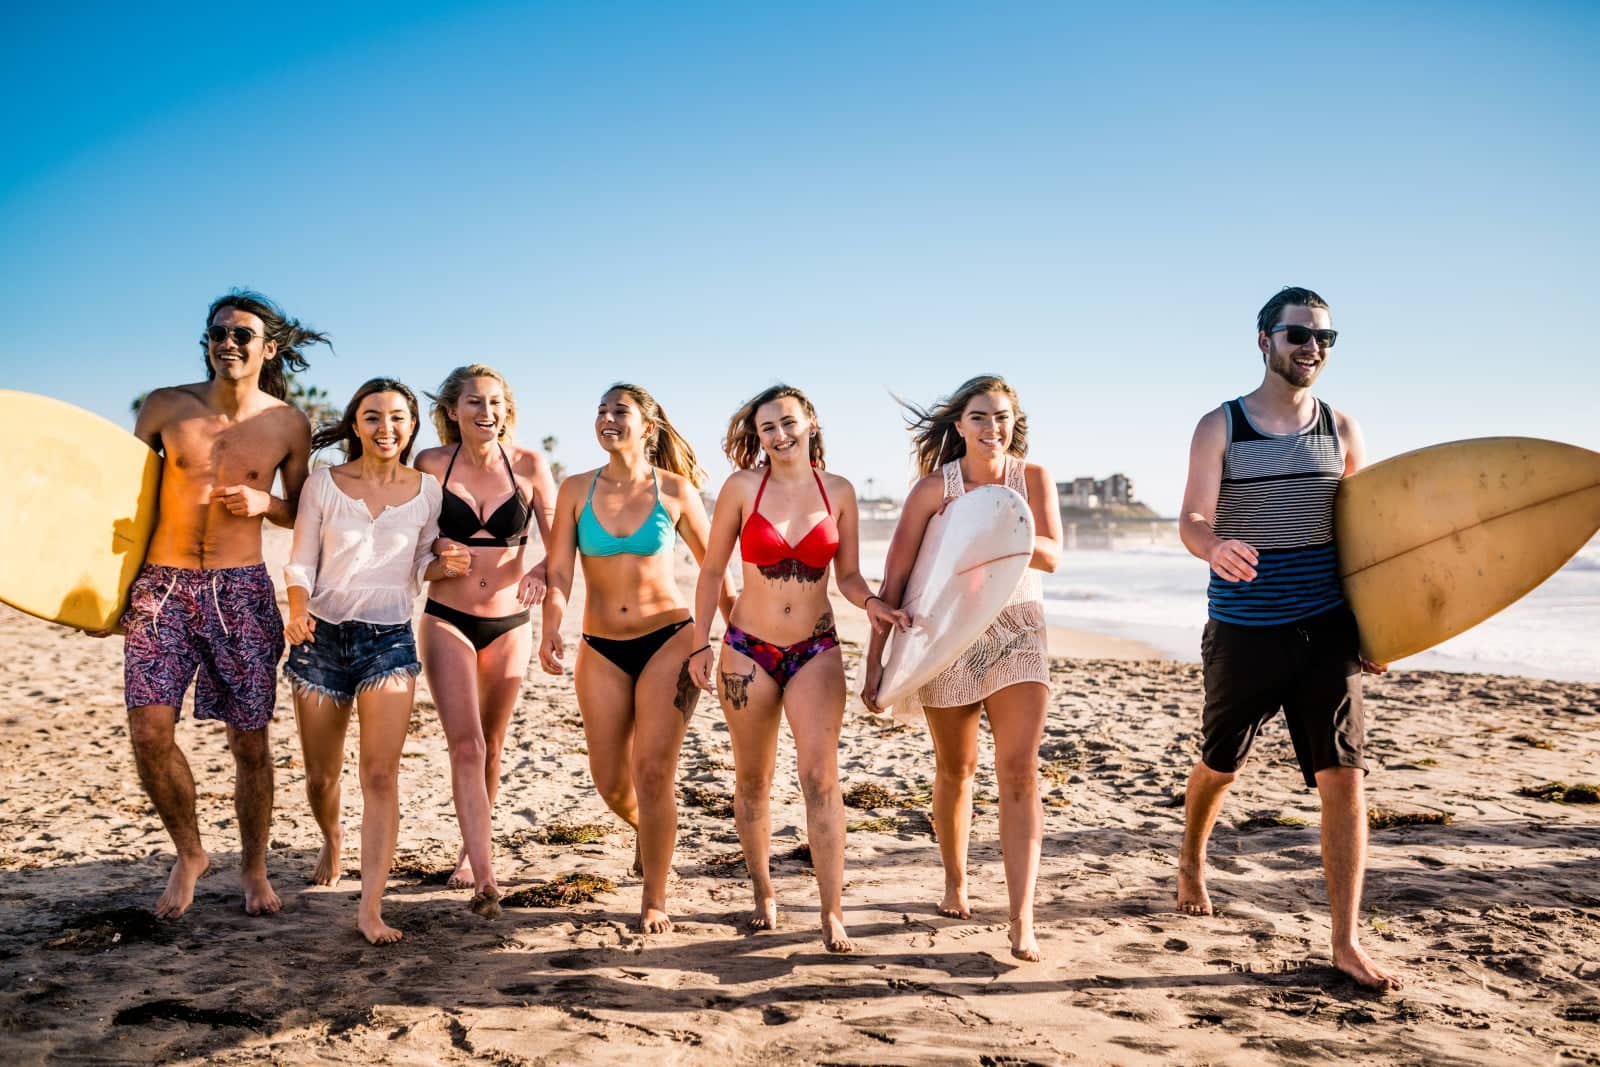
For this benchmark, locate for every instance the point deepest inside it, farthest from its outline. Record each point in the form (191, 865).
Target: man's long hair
(288, 333)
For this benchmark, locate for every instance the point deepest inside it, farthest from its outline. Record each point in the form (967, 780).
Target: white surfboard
(970, 562)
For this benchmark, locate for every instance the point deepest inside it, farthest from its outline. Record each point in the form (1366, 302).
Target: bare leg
(814, 705)
(659, 727)
(955, 753)
(605, 699)
(751, 708)
(1344, 854)
(252, 806)
(1201, 804)
(322, 722)
(502, 668)
(452, 669)
(1016, 717)
(165, 775)
(385, 712)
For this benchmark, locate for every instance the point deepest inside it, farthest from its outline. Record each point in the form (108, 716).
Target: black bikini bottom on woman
(632, 653)
(481, 631)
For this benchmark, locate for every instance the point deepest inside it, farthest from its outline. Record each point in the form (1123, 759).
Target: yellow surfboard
(1434, 541)
(79, 500)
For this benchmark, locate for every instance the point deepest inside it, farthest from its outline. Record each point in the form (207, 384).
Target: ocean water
(1156, 593)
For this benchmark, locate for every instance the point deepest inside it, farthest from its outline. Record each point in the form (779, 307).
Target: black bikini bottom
(631, 654)
(481, 631)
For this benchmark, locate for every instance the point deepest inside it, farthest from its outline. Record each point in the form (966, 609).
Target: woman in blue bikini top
(633, 686)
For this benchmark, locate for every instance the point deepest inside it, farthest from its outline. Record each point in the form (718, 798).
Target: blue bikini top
(655, 535)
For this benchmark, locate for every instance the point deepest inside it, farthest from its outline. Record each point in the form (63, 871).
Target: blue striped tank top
(1277, 497)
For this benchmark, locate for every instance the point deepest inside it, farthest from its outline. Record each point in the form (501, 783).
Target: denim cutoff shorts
(343, 658)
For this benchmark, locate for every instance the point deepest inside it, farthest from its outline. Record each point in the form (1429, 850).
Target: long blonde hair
(935, 440)
(742, 444)
(449, 395)
(666, 447)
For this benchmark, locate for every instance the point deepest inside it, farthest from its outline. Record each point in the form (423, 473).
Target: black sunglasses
(1299, 335)
(242, 335)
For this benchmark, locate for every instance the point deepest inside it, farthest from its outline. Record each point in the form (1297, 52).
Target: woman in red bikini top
(780, 655)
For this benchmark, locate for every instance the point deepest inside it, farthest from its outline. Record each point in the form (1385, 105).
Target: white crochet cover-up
(1011, 650)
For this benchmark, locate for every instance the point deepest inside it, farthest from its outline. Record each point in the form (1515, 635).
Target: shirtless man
(203, 600)
(1258, 507)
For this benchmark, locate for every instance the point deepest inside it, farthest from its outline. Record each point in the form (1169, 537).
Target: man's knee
(1208, 777)
(250, 748)
(152, 730)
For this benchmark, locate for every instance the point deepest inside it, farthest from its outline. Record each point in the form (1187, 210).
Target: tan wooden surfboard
(971, 559)
(1434, 541)
(79, 497)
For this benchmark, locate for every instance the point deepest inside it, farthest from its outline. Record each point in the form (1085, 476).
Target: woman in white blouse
(363, 541)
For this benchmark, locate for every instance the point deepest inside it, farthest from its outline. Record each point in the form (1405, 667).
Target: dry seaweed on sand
(711, 801)
(570, 833)
(1389, 819)
(1270, 820)
(870, 795)
(883, 824)
(1563, 792)
(1533, 742)
(562, 892)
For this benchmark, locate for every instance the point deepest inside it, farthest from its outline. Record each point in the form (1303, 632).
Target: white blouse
(357, 567)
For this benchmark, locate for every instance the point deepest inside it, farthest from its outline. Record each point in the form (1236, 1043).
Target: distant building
(1095, 493)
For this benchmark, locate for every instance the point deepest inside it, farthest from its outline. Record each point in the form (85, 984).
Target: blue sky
(856, 198)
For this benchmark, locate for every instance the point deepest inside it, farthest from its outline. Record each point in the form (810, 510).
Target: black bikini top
(506, 527)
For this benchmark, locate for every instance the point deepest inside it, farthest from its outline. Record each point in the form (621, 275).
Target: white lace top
(356, 566)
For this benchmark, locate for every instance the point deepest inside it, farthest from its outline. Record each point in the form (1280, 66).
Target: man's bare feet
(180, 885)
(376, 931)
(764, 916)
(486, 902)
(1359, 966)
(834, 938)
(259, 896)
(955, 903)
(654, 921)
(637, 870)
(327, 871)
(1192, 896)
(1024, 946)
(461, 877)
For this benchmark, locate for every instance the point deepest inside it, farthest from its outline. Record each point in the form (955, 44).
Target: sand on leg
(322, 723)
(164, 773)
(1202, 801)
(252, 805)
(954, 732)
(659, 726)
(605, 701)
(813, 701)
(1344, 852)
(751, 705)
(451, 666)
(1016, 718)
(385, 713)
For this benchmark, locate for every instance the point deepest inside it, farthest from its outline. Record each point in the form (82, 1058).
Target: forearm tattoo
(736, 687)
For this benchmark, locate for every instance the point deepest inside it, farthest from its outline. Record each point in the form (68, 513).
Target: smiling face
(785, 430)
(232, 361)
(385, 425)
(480, 411)
(986, 425)
(1297, 365)
(618, 423)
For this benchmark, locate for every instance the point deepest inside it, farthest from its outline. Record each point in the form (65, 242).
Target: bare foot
(259, 896)
(654, 921)
(955, 903)
(764, 916)
(378, 932)
(834, 938)
(327, 872)
(486, 902)
(180, 885)
(1359, 966)
(461, 877)
(637, 870)
(1024, 946)
(1192, 896)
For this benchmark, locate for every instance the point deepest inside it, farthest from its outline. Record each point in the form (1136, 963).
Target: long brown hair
(743, 443)
(935, 440)
(449, 395)
(289, 334)
(343, 432)
(666, 447)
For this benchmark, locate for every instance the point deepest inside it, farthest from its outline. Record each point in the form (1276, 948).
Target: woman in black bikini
(474, 636)
(633, 686)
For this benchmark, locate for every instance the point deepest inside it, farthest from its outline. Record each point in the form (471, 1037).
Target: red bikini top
(760, 543)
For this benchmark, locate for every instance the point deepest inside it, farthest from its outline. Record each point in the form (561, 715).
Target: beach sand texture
(1493, 918)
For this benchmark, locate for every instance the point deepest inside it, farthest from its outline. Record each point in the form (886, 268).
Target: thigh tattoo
(736, 687)
(688, 695)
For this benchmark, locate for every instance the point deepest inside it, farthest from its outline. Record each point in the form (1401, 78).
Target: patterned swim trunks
(224, 623)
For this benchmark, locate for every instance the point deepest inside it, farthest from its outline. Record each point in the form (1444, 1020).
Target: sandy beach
(1489, 905)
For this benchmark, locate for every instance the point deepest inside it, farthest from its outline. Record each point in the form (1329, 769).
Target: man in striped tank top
(1258, 507)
